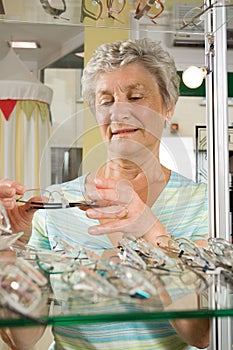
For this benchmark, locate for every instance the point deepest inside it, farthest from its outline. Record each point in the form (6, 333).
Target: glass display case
(201, 26)
(130, 285)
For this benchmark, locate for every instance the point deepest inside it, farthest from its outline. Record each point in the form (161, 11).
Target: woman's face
(130, 110)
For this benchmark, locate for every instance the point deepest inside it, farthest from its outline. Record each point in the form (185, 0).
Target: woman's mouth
(123, 132)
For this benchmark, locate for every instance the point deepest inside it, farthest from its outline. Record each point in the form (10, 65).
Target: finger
(115, 191)
(34, 204)
(7, 184)
(20, 189)
(27, 210)
(111, 227)
(6, 191)
(112, 212)
(100, 196)
(9, 203)
(111, 184)
(105, 183)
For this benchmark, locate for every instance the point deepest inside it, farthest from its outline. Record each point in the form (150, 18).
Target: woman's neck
(148, 179)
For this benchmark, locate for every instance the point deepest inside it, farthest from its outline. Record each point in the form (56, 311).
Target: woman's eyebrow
(132, 86)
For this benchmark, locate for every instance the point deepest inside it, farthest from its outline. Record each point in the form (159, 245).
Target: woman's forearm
(22, 338)
(195, 332)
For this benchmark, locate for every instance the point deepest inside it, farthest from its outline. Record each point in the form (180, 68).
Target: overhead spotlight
(193, 76)
(24, 44)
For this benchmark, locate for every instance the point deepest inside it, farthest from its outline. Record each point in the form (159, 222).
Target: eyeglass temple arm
(140, 12)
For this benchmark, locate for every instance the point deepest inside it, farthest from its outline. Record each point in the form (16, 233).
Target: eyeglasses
(194, 17)
(115, 7)
(52, 262)
(220, 246)
(89, 284)
(172, 266)
(91, 9)
(55, 12)
(220, 251)
(144, 7)
(56, 199)
(191, 254)
(128, 255)
(153, 255)
(130, 280)
(66, 257)
(31, 271)
(21, 286)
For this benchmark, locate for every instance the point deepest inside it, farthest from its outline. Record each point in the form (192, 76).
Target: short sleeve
(39, 238)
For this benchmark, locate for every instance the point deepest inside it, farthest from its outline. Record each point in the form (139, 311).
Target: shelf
(189, 304)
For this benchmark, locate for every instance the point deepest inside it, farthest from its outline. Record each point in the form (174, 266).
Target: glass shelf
(185, 304)
(174, 19)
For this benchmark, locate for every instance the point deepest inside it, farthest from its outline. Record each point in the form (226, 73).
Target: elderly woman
(132, 88)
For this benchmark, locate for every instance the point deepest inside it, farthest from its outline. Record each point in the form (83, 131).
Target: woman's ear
(170, 113)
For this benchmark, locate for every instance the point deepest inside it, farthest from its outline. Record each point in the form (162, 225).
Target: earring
(167, 116)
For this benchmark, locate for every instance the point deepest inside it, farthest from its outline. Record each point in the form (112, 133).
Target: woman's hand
(8, 190)
(20, 216)
(125, 211)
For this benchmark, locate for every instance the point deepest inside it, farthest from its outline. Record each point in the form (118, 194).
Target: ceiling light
(193, 76)
(23, 44)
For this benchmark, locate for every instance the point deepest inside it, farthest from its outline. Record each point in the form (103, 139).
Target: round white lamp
(193, 76)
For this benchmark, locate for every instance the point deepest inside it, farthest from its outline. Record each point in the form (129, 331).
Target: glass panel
(180, 28)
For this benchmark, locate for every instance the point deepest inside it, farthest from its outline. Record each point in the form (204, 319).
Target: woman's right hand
(8, 190)
(20, 216)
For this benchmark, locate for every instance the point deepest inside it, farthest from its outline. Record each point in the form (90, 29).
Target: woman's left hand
(122, 211)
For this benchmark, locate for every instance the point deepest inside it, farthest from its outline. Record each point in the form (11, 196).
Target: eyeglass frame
(46, 205)
(87, 13)
(191, 22)
(111, 10)
(53, 11)
(144, 11)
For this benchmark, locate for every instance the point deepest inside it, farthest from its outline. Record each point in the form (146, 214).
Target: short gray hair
(112, 56)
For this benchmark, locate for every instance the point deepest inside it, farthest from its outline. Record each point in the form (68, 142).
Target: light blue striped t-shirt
(181, 207)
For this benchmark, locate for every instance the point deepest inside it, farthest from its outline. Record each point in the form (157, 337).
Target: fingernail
(10, 191)
(98, 181)
(20, 188)
(93, 230)
(92, 195)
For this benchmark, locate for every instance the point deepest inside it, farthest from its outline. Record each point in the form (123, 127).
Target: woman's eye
(106, 102)
(135, 98)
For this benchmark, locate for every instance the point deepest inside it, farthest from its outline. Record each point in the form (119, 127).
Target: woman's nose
(120, 111)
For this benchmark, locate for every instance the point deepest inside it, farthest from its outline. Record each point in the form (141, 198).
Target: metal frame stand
(218, 150)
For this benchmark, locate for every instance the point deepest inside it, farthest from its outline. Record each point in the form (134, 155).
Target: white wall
(66, 106)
